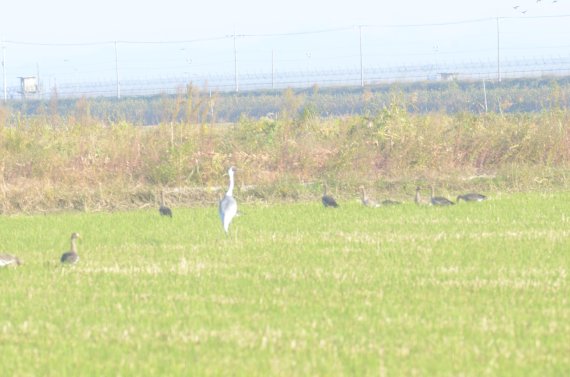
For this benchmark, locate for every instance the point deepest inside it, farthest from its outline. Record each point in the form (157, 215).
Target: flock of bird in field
(227, 210)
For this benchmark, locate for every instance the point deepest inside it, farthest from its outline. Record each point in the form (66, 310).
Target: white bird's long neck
(73, 245)
(230, 191)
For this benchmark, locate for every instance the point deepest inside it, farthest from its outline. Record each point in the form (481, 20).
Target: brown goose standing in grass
(471, 197)
(328, 201)
(373, 203)
(366, 201)
(71, 257)
(164, 210)
(7, 260)
(439, 200)
(390, 202)
(417, 197)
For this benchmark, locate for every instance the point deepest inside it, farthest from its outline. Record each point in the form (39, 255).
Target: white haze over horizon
(68, 41)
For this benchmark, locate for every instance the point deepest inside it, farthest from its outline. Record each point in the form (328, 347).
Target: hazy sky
(66, 21)
(77, 21)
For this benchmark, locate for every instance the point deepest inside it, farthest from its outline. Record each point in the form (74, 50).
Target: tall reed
(80, 163)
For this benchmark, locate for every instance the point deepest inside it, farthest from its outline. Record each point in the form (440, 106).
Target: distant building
(28, 86)
(447, 76)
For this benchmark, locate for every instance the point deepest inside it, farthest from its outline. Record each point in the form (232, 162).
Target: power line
(534, 17)
(450, 23)
(283, 34)
(101, 43)
(295, 33)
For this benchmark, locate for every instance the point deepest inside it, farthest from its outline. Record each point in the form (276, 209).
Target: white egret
(228, 205)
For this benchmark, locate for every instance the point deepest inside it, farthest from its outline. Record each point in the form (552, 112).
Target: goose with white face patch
(7, 260)
(366, 201)
(328, 201)
(390, 202)
(417, 197)
(71, 257)
(439, 200)
(471, 197)
(163, 209)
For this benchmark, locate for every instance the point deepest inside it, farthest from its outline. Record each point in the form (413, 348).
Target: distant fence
(348, 77)
(485, 49)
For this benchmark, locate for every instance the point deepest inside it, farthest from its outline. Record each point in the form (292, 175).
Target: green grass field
(296, 290)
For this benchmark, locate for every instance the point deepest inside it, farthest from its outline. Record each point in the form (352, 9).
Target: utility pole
(38, 82)
(361, 65)
(235, 63)
(498, 52)
(117, 71)
(4, 71)
(211, 107)
(485, 96)
(272, 69)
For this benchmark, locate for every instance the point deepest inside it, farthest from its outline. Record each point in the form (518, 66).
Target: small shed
(28, 85)
(448, 76)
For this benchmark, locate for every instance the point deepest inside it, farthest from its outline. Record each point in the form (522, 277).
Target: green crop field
(295, 290)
